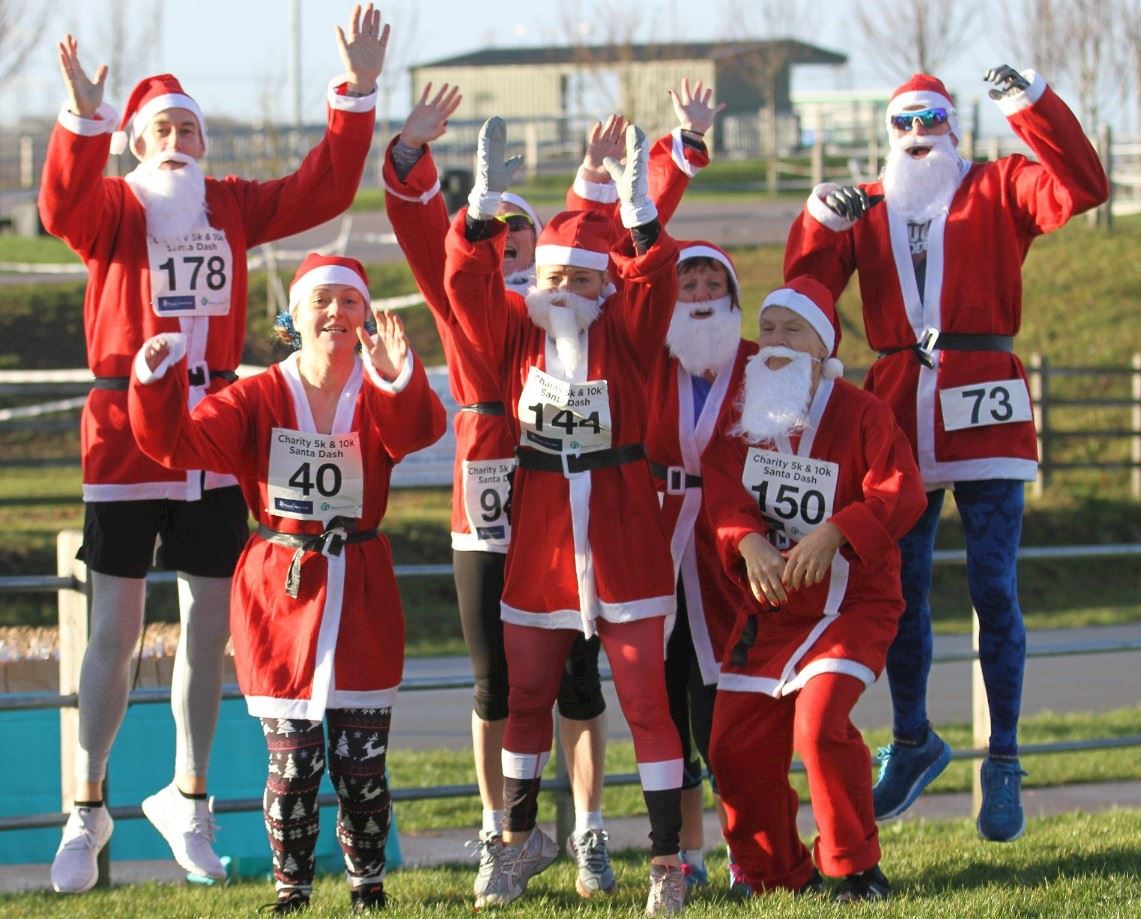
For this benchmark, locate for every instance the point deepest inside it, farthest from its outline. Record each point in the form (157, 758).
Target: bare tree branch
(911, 36)
(21, 28)
(1034, 35)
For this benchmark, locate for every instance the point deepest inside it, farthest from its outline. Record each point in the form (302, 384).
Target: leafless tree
(1033, 35)
(22, 26)
(1093, 55)
(604, 37)
(402, 45)
(1129, 12)
(125, 42)
(909, 36)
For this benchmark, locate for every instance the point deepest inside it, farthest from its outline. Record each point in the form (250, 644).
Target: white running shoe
(667, 891)
(489, 847)
(188, 827)
(589, 851)
(74, 868)
(516, 865)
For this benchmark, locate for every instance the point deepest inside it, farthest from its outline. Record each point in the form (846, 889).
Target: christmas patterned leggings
(991, 511)
(358, 743)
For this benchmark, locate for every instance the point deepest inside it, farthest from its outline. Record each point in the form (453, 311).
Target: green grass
(454, 767)
(1072, 866)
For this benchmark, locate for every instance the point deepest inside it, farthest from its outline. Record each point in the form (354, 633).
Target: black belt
(579, 462)
(676, 478)
(484, 408)
(196, 376)
(329, 542)
(955, 341)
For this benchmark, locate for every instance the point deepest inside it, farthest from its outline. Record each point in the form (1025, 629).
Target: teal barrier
(141, 763)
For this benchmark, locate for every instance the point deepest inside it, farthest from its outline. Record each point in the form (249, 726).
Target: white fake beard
(919, 189)
(521, 281)
(563, 315)
(174, 199)
(702, 345)
(774, 403)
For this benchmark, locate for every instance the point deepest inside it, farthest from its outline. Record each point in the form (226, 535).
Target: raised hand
(167, 345)
(85, 95)
(693, 108)
(763, 567)
(602, 141)
(632, 180)
(388, 348)
(1007, 81)
(493, 172)
(429, 119)
(363, 51)
(850, 202)
(810, 560)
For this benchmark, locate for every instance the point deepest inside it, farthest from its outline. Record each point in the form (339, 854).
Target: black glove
(851, 202)
(1007, 81)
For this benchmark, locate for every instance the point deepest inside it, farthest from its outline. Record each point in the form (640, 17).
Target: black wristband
(477, 230)
(645, 236)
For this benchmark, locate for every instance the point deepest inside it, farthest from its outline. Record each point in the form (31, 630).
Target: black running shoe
(813, 885)
(367, 899)
(867, 885)
(288, 901)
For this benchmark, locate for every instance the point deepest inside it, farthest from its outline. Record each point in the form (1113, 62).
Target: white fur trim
(807, 310)
(509, 197)
(921, 99)
(573, 256)
(346, 103)
(326, 274)
(832, 369)
(824, 665)
(143, 116)
(177, 490)
(822, 212)
(381, 383)
(143, 372)
(600, 192)
(700, 251)
(660, 776)
(742, 682)
(974, 470)
(362, 698)
(677, 153)
(469, 542)
(1015, 103)
(103, 123)
(415, 199)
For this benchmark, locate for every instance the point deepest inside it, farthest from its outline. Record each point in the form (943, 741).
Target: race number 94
(326, 479)
(492, 505)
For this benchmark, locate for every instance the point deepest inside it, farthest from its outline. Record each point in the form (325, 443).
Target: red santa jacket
(101, 219)
(675, 440)
(340, 643)
(485, 446)
(584, 544)
(962, 416)
(852, 467)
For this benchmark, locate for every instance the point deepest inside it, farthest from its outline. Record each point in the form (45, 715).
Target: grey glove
(632, 180)
(851, 202)
(1007, 81)
(493, 172)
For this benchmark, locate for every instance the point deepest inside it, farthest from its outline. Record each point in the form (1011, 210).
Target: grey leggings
(104, 681)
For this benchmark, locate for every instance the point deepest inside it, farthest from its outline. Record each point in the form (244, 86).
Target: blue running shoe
(695, 875)
(905, 771)
(1000, 817)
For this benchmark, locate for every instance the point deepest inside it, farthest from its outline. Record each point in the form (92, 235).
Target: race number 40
(984, 404)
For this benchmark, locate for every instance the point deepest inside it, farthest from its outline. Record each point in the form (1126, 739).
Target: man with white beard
(808, 483)
(694, 379)
(165, 250)
(940, 279)
(588, 554)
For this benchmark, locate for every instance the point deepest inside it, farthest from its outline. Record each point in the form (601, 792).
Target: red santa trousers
(751, 751)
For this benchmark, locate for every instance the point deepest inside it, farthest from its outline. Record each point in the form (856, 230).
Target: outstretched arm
(363, 50)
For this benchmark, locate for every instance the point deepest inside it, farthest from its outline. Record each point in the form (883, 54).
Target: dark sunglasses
(516, 222)
(928, 117)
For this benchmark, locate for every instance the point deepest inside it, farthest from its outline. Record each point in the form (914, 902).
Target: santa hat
(521, 204)
(920, 92)
(701, 249)
(812, 301)
(317, 270)
(150, 96)
(581, 239)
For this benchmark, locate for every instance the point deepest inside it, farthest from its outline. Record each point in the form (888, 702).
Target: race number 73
(326, 480)
(982, 404)
(564, 418)
(215, 276)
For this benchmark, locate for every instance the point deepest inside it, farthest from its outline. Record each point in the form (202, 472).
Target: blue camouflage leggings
(991, 511)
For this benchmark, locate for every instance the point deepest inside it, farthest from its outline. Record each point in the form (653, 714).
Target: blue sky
(233, 56)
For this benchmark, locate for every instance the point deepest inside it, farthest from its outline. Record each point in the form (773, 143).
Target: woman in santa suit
(808, 484)
(316, 617)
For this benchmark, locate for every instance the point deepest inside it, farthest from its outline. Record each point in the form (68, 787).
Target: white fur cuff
(483, 204)
(103, 123)
(822, 212)
(1011, 105)
(381, 383)
(345, 103)
(177, 343)
(602, 192)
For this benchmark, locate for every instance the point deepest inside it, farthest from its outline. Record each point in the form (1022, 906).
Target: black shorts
(202, 538)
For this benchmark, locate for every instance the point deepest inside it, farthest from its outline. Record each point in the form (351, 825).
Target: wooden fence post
(531, 151)
(1039, 394)
(1103, 214)
(818, 159)
(980, 714)
(1135, 472)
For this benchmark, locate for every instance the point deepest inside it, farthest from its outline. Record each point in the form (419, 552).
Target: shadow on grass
(1111, 860)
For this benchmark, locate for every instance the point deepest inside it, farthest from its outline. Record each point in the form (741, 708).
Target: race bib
(983, 404)
(315, 476)
(560, 417)
(487, 497)
(795, 493)
(191, 276)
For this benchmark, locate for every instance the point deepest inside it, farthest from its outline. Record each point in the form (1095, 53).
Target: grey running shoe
(514, 867)
(490, 850)
(75, 868)
(667, 890)
(594, 872)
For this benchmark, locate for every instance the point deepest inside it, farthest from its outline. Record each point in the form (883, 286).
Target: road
(1095, 682)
